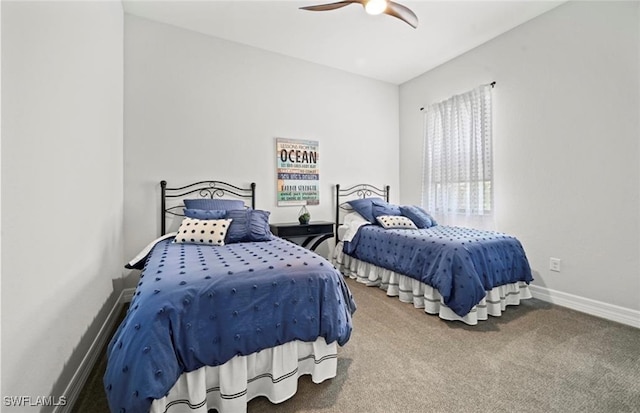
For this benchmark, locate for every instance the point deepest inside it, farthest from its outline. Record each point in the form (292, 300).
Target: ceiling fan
(374, 7)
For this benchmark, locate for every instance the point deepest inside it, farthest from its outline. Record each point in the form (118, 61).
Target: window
(457, 162)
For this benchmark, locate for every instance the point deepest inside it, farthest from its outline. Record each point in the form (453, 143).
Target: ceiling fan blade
(330, 6)
(403, 13)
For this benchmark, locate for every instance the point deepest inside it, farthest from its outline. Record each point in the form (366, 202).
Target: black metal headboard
(355, 192)
(202, 189)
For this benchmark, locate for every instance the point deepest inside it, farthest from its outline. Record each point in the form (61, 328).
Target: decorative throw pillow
(419, 216)
(382, 207)
(202, 231)
(364, 207)
(208, 203)
(205, 213)
(396, 221)
(248, 225)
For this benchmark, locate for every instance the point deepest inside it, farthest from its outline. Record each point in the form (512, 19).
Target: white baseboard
(79, 379)
(127, 295)
(588, 306)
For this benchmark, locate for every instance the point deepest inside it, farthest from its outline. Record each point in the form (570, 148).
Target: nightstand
(318, 231)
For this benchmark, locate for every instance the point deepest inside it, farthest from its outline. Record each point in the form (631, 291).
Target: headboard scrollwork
(202, 189)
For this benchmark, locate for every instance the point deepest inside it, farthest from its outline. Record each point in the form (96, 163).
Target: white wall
(62, 185)
(0, 192)
(198, 107)
(566, 150)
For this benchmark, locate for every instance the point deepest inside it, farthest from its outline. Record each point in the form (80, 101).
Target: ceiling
(380, 47)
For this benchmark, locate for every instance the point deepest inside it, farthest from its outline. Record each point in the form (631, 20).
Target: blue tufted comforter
(461, 263)
(200, 305)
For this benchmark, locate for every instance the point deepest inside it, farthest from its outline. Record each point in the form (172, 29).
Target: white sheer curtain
(457, 164)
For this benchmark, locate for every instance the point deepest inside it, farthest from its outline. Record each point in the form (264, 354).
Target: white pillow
(202, 231)
(136, 262)
(395, 221)
(353, 221)
(353, 217)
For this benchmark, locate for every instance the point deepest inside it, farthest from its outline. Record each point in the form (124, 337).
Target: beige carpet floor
(537, 357)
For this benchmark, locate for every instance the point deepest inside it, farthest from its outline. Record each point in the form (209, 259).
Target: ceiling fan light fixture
(374, 7)
(389, 7)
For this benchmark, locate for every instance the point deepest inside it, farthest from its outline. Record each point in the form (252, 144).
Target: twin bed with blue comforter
(198, 307)
(459, 273)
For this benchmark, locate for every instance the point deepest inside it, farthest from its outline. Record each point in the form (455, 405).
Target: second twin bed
(457, 273)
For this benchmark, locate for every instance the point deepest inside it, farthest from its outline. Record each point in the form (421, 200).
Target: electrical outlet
(554, 264)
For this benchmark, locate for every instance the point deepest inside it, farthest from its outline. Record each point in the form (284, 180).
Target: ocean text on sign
(298, 156)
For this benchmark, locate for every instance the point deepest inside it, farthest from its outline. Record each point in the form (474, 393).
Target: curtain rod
(492, 84)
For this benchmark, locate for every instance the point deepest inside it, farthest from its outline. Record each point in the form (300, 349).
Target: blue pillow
(205, 213)
(380, 207)
(248, 225)
(364, 207)
(208, 203)
(419, 216)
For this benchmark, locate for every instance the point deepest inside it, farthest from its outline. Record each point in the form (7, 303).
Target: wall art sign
(297, 172)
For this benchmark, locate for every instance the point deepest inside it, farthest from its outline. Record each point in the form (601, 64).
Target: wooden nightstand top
(294, 229)
(319, 230)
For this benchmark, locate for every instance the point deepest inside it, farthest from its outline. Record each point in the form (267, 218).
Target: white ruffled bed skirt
(272, 373)
(409, 290)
